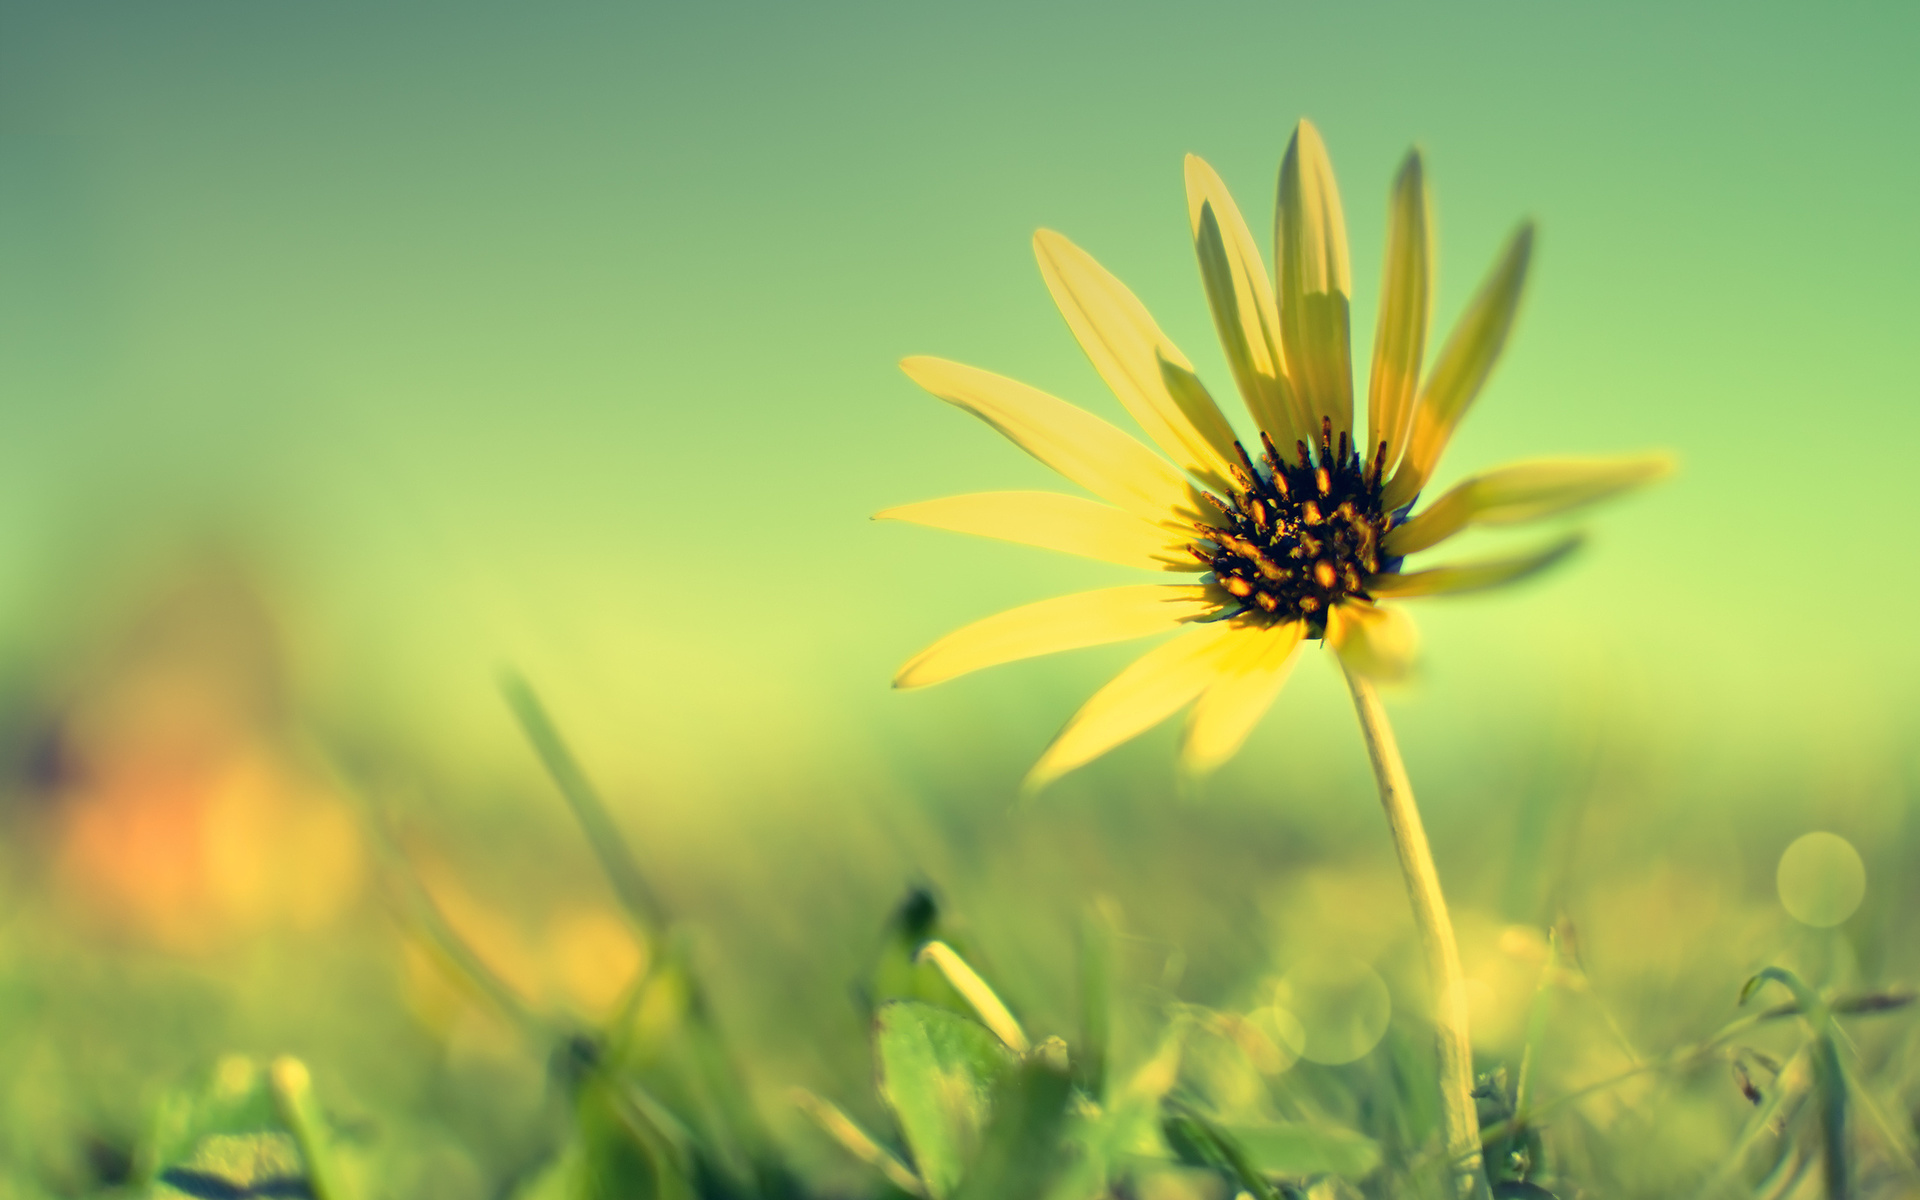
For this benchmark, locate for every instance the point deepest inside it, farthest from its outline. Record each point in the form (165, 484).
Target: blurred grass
(1612, 901)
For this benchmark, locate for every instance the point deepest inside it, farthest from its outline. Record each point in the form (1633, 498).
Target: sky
(565, 337)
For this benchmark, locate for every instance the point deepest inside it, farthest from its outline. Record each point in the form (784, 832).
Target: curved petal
(1379, 643)
(1227, 712)
(1471, 577)
(1137, 360)
(1051, 521)
(1315, 280)
(1153, 688)
(1463, 366)
(1242, 301)
(1529, 491)
(1112, 465)
(1062, 623)
(1401, 338)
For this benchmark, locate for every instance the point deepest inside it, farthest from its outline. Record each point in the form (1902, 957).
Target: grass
(1085, 1005)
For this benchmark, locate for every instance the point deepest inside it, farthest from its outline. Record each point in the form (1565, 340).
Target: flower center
(1298, 537)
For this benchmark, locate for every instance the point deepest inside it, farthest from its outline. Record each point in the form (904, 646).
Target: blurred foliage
(520, 999)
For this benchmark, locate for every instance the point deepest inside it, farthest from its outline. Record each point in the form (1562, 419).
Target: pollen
(1298, 536)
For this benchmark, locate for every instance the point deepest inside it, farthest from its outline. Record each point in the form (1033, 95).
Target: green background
(565, 336)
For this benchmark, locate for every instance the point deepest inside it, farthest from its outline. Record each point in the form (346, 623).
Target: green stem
(1460, 1125)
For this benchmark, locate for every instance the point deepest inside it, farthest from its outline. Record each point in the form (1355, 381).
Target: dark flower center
(1298, 537)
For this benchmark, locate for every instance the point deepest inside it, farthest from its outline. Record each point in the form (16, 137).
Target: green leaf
(937, 1073)
(1022, 1150)
(228, 1139)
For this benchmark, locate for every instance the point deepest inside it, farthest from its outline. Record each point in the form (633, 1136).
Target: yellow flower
(1294, 536)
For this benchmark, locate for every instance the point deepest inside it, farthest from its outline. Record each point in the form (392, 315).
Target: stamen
(1295, 537)
(1270, 454)
(1244, 460)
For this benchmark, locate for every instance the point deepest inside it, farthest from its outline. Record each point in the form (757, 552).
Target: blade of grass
(715, 1078)
(1790, 1085)
(857, 1141)
(1903, 1151)
(1829, 1081)
(986, 1003)
(1096, 998)
(609, 846)
(292, 1088)
(420, 915)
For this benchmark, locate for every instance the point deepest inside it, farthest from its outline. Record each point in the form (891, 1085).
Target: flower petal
(1136, 360)
(1062, 623)
(1051, 521)
(1471, 577)
(1529, 491)
(1401, 338)
(1242, 301)
(1463, 366)
(1315, 280)
(1227, 711)
(1376, 642)
(1110, 464)
(1158, 684)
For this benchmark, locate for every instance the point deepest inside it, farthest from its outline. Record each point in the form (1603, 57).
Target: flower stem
(1459, 1123)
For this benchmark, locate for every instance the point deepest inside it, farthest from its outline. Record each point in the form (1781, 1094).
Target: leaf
(228, 1139)
(1022, 1149)
(937, 1073)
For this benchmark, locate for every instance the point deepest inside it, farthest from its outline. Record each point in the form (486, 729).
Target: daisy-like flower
(1297, 533)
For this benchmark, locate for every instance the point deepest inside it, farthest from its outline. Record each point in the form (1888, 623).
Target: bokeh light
(1821, 879)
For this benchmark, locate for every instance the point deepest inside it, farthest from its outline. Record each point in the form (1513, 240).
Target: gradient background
(564, 336)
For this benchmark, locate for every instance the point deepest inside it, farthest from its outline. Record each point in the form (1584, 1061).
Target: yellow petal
(1242, 301)
(1227, 711)
(1401, 338)
(1051, 521)
(1062, 623)
(1529, 491)
(1471, 577)
(1376, 642)
(1461, 369)
(1136, 359)
(1074, 442)
(1315, 280)
(1158, 684)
